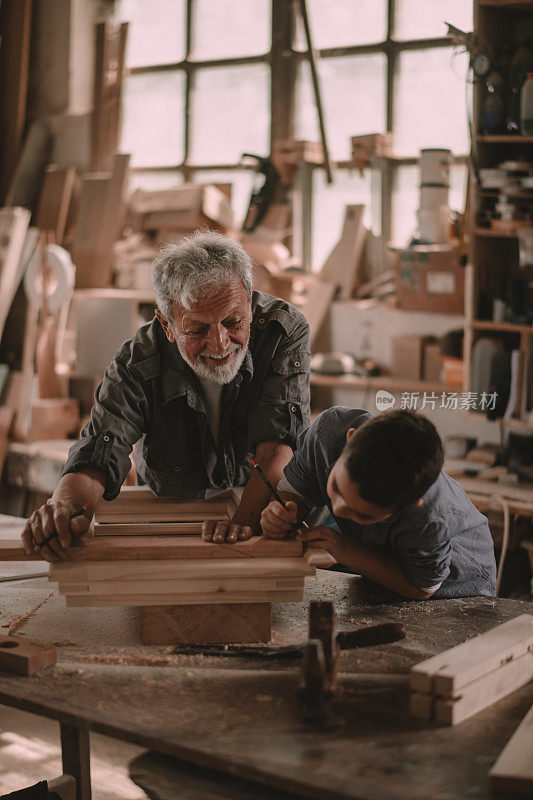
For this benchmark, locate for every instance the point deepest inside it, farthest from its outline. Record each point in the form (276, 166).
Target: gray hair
(184, 272)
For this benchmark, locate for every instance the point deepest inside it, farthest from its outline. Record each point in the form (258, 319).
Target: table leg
(76, 758)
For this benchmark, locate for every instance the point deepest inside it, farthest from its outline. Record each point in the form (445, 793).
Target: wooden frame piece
(513, 771)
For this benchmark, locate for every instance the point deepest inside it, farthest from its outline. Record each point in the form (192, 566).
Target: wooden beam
(76, 758)
(513, 771)
(242, 622)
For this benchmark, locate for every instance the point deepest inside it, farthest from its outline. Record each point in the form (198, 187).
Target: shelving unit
(494, 253)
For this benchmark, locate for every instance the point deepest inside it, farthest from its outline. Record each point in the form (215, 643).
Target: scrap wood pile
(149, 551)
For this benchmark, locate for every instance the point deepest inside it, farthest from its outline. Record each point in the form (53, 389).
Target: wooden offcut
(25, 657)
(513, 771)
(342, 268)
(463, 681)
(192, 624)
(54, 202)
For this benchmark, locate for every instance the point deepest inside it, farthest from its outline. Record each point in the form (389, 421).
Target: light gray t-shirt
(212, 393)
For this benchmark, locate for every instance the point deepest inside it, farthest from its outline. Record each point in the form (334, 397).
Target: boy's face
(346, 501)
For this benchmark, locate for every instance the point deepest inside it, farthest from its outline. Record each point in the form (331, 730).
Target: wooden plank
(13, 228)
(218, 586)
(485, 691)
(317, 305)
(108, 79)
(513, 771)
(54, 202)
(25, 657)
(173, 569)
(342, 265)
(15, 32)
(111, 548)
(152, 528)
(133, 601)
(449, 671)
(93, 198)
(243, 622)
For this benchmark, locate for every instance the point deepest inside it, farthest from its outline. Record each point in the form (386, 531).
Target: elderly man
(221, 375)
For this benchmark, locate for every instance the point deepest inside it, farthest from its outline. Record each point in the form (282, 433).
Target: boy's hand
(277, 522)
(326, 538)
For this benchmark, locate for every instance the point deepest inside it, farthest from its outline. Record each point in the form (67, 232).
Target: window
(199, 94)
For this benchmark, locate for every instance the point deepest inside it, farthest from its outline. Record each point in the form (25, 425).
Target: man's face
(346, 501)
(212, 335)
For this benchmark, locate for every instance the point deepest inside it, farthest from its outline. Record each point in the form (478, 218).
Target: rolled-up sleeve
(118, 420)
(426, 562)
(301, 471)
(282, 411)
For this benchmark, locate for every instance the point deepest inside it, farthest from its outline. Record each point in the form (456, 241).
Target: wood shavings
(16, 623)
(132, 661)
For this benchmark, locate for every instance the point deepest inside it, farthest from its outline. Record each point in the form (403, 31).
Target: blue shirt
(444, 541)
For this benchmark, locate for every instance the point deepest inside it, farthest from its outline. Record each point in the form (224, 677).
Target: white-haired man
(219, 376)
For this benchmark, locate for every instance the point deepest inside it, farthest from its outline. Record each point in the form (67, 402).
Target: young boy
(403, 522)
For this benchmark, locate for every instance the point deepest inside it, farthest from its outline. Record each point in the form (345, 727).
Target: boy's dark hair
(394, 458)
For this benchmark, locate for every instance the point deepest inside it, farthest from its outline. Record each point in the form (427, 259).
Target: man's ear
(349, 433)
(169, 333)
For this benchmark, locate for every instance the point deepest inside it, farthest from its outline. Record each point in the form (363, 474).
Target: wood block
(482, 693)
(407, 356)
(342, 267)
(54, 201)
(113, 548)
(421, 705)
(196, 624)
(174, 569)
(25, 657)
(175, 598)
(513, 771)
(453, 669)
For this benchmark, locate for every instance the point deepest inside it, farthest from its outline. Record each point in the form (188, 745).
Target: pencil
(256, 466)
(51, 536)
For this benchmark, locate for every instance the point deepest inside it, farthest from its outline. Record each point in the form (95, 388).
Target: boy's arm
(381, 567)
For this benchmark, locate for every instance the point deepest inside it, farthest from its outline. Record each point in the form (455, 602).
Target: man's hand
(54, 516)
(225, 530)
(277, 522)
(326, 538)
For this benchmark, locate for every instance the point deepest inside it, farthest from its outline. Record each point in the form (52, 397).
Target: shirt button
(297, 364)
(261, 321)
(177, 468)
(294, 408)
(106, 438)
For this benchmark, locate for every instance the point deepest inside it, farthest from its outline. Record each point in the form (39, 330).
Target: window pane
(420, 20)
(230, 28)
(241, 182)
(337, 23)
(353, 92)
(419, 121)
(406, 200)
(329, 202)
(154, 181)
(156, 34)
(153, 112)
(230, 114)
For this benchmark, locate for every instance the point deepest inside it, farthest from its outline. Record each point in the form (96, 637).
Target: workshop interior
(266, 399)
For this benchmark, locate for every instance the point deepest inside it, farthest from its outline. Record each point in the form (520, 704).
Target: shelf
(376, 382)
(504, 327)
(488, 232)
(508, 5)
(504, 139)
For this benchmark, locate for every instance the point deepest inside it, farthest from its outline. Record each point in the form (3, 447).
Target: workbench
(240, 716)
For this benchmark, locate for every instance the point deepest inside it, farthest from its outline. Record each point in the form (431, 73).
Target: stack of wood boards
(150, 552)
(461, 682)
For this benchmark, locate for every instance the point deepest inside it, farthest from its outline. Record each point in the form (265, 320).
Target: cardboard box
(430, 279)
(416, 358)
(407, 357)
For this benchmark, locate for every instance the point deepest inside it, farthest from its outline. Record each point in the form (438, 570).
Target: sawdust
(16, 623)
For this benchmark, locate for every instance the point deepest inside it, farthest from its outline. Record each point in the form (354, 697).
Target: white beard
(206, 367)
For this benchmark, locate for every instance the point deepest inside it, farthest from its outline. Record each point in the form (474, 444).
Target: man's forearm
(381, 568)
(87, 486)
(272, 458)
